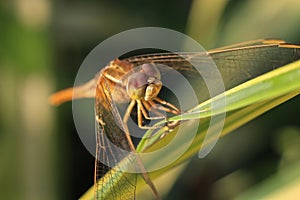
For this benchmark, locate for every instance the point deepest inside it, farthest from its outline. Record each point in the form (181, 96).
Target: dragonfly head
(144, 84)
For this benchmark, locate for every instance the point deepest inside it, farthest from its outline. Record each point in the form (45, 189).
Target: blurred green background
(42, 45)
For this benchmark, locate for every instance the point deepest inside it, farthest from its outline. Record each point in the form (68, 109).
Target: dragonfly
(136, 81)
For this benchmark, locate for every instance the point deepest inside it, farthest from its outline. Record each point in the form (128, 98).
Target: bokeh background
(42, 44)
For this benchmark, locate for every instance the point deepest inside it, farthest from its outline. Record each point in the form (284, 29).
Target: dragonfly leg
(172, 109)
(128, 111)
(148, 107)
(144, 173)
(142, 112)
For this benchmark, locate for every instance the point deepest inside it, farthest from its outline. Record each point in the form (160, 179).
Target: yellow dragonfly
(137, 81)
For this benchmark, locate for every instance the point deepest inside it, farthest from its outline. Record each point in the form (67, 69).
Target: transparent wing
(236, 63)
(252, 43)
(112, 148)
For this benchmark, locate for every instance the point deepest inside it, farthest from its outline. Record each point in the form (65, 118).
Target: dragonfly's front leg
(143, 113)
(172, 109)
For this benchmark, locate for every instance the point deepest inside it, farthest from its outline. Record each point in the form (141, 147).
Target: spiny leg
(142, 112)
(132, 147)
(163, 108)
(128, 111)
(172, 109)
(158, 114)
(163, 102)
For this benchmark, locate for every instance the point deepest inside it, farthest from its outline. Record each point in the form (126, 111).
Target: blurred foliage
(43, 44)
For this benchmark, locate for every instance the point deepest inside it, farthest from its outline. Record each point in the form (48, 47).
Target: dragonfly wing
(112, 147)
(236, 63)
(251, 43)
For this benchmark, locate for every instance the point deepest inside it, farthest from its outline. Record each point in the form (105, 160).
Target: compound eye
(136, 85)
(151, 70)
